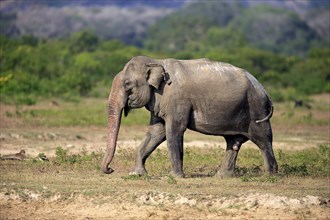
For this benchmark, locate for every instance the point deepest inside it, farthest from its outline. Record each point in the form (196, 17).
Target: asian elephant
(213, 98)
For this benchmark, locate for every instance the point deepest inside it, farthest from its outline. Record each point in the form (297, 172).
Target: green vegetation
(83, 65)
(78, 66)
(306, 162)
(85, 112)
(199, 162)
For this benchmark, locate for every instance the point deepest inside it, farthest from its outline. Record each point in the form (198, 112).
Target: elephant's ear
(156, 74)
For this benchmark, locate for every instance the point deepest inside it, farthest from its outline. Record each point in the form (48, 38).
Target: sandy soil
(159, 205)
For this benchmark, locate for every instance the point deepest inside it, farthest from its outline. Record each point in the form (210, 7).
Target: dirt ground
(145, 203)
(160, 205)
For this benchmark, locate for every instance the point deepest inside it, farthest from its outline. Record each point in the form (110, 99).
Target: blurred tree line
(67, 68)
(84, 65)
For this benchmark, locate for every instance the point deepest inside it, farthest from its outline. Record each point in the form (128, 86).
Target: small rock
(3, 137)
(51, 135)
(15, 136)
(144, 198)
(55, 103)
(185, 201)
(17, 156)
(80, 137)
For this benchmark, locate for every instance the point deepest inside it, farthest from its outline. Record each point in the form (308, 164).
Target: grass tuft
(171, 180)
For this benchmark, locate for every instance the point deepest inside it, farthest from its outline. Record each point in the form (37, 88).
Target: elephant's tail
(260, 92)
(268, 116)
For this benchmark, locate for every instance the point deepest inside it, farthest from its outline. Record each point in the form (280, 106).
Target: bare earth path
(160, 205)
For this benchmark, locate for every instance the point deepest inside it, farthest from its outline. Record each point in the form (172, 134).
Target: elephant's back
(222, 80)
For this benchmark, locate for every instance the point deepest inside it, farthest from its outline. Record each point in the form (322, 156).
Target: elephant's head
(131, 88)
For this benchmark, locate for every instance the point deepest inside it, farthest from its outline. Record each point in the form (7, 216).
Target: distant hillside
(14, 5)
(319, 20)
(109, 21)
(277, 30)
(178, 22)
(261, 26)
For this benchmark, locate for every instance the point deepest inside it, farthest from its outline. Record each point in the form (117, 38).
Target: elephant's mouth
(130, 101)
(127, 107)
(130, 104)
(137, 99)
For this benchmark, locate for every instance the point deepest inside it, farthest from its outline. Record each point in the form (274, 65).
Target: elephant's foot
(272, 170)
(270, 162)
(177, 174)
(225, 173)
(138, 171)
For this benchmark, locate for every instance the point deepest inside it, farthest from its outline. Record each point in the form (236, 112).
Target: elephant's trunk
(117, 101)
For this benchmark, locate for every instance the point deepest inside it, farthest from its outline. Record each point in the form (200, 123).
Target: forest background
(73, 49)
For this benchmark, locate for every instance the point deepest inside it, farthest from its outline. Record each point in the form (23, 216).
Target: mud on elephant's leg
(155, 136)
(228, 165)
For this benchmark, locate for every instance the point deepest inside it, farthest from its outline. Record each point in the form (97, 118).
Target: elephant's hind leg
(268, 155)
(155, 136)
(262, 136)
(233, 146)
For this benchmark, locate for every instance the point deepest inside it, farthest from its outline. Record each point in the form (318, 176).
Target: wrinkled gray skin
(213, 98)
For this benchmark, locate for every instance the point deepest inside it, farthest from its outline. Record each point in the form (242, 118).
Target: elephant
(210, 97)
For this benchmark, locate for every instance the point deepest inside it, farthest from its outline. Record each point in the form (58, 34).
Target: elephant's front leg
(154, 137)
(174, 134)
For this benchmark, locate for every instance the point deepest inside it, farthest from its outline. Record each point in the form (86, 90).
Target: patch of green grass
(93, 112)
(79, 173)
(308, 162)
(198, 162)
(206, 161)
(171, 180)
(300, 170)
(202, 161)
(259, 178)
(136, 117)
(85, 112)
(83, 160)
(158, 163)
(248, 157)
(313, 162)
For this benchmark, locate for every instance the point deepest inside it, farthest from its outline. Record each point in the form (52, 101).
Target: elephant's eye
(127, 85)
